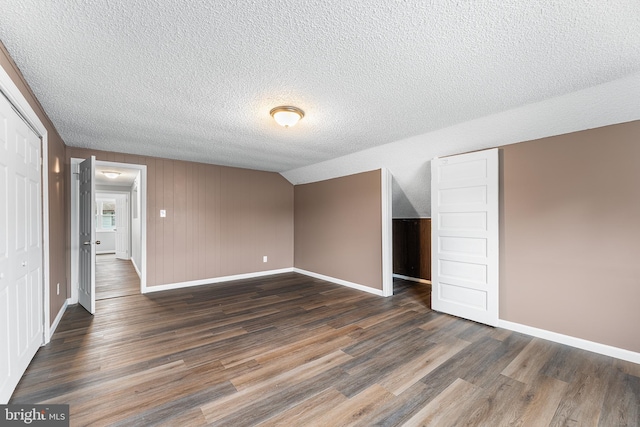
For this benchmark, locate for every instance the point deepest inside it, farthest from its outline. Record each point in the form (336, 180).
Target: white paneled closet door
(21, 251)
(464, 245)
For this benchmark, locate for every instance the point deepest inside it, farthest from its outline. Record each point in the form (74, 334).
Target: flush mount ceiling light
(111, 174)
(286, 116)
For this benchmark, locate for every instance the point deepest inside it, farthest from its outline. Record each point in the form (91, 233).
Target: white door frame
(22, 106)
(74, 232)
(387, 231)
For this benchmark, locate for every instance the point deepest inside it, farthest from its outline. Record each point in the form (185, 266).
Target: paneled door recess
(21, 252)
(464, 209)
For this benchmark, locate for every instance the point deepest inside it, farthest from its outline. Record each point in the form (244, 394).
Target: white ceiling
(195, 80)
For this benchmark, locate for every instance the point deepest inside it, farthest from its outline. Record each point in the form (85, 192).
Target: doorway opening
(120, 217)
(116, 273)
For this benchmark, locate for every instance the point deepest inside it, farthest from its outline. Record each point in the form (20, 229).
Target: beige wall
(338, 228)
(57, 208)
(570, 234)
(220, 221)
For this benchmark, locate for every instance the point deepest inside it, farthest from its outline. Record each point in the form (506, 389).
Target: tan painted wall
(338, 228)
(570, 234)
(57, 210)
(220, 221)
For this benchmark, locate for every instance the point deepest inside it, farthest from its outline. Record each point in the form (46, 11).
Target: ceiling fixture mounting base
(286, 115)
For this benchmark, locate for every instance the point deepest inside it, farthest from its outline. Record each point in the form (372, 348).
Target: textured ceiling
(195, 80)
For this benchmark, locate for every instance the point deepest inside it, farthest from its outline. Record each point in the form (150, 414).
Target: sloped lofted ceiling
(195, 80)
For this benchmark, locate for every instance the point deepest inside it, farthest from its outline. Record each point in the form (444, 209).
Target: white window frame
(99, 216)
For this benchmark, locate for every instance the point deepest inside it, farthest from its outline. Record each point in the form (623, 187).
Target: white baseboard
(56, 321)
(412, 279)
(214, 280)
(594, 347)
(583, 344)
(223, 279)
(133, 261)
(340, 282)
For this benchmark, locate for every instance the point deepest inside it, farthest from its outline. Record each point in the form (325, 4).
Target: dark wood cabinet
(412, 247)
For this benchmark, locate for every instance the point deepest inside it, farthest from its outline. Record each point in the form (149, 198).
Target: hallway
(115, 277)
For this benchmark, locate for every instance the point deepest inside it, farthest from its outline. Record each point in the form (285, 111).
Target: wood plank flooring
(289, 350)
(115, 277)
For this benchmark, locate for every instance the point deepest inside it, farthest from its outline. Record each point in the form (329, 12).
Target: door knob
(24, 263)
(97, 242)
(86, 243)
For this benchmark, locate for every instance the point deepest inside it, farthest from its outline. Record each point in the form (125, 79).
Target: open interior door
(464, 245)
(87, 232)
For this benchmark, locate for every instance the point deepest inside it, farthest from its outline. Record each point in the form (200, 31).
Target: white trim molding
(594, 347)
(73, 230)
(340, 282)
(58, 318)
(215, 280)
(47, 332)
(412, 279)
(387, 232)
(223, 279)
(133, 261)
(143, 215)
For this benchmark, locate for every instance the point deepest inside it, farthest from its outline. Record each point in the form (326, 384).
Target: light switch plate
(163, 213)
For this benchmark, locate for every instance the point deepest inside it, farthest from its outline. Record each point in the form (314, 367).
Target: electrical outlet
(58, 289)
(163, 213)
(264, 258)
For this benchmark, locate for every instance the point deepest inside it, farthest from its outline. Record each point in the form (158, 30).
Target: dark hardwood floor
(115, 277)
(290, 350)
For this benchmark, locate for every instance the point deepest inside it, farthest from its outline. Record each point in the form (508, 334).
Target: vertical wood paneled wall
(220, 221)
(412, 247)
